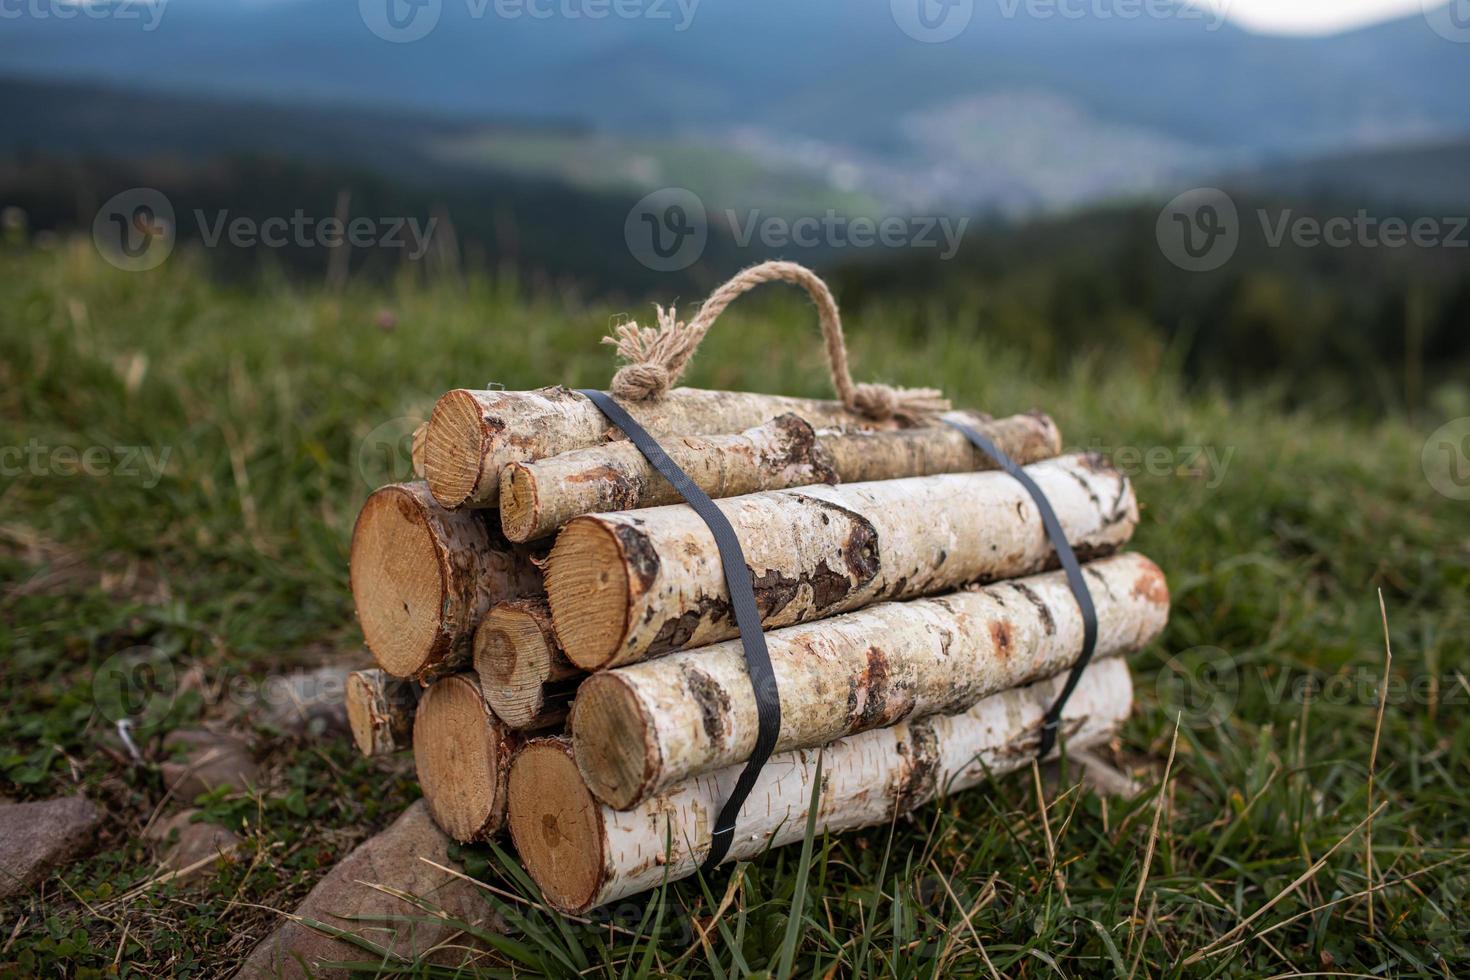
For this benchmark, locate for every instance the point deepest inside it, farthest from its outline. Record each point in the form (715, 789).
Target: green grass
(272, 401)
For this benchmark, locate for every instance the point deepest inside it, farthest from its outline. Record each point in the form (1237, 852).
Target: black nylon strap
(1075, 581)
(747, 617)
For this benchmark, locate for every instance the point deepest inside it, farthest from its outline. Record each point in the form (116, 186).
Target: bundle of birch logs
(555, 637)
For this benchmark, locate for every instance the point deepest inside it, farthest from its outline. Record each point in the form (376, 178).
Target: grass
(280, 407)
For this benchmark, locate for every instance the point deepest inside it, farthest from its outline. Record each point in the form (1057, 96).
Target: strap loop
(1051, 721)
(747, 618)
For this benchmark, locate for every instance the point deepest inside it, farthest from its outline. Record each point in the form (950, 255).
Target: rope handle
(656, 357)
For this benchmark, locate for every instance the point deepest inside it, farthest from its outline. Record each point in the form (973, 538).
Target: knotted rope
(657, 356)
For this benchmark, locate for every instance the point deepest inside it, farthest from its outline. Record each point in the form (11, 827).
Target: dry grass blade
(1373, 758)
(1301, 879)
(1153, 832)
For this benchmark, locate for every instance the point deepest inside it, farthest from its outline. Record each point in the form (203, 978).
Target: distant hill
(1428, 175)
(1016, 112)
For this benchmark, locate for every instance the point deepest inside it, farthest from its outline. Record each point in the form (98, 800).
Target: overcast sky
(1317, 16)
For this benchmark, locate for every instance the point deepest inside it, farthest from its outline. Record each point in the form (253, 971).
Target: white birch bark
(640, 729)
(539, 496)
(867, 779)
(629, 585)
(473, 434)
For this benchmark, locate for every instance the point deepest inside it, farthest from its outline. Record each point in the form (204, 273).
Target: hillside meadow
(183, 461)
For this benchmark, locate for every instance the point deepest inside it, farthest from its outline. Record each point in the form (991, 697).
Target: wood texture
(628, 585)
(380, 710)
(526, 678)
(462, 754)
(537, 497)
(583, 854)
(472, 435)
(423, 577)
(640, 729)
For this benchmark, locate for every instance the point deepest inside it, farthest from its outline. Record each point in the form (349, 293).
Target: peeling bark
(537, 497)
(625, 586)
(423, 576)
(380, 711)
(526, 678)
(640, 729)
(473, 434)
(583, 854)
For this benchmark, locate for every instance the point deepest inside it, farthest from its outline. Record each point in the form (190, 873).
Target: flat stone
(37, 837)
(211, 759)
(311, 702)
(195, 842)
(394, 859)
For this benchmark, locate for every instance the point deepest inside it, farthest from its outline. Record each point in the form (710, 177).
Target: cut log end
(454, 445)
(519, 507)
(556, 826)
(516, 661)
(397, 582)
(589, 588)
(459, 750)
(380, 711)
(617, 760)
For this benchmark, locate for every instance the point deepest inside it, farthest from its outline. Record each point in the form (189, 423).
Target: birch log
(380, 711)
(462, 753)
(583, 854)
(423, 576)
(473, 434)
(638, 730)
(537, 497)
(526, 678)
(628, 585)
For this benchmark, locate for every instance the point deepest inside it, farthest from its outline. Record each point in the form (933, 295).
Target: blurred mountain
(1019, 111)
